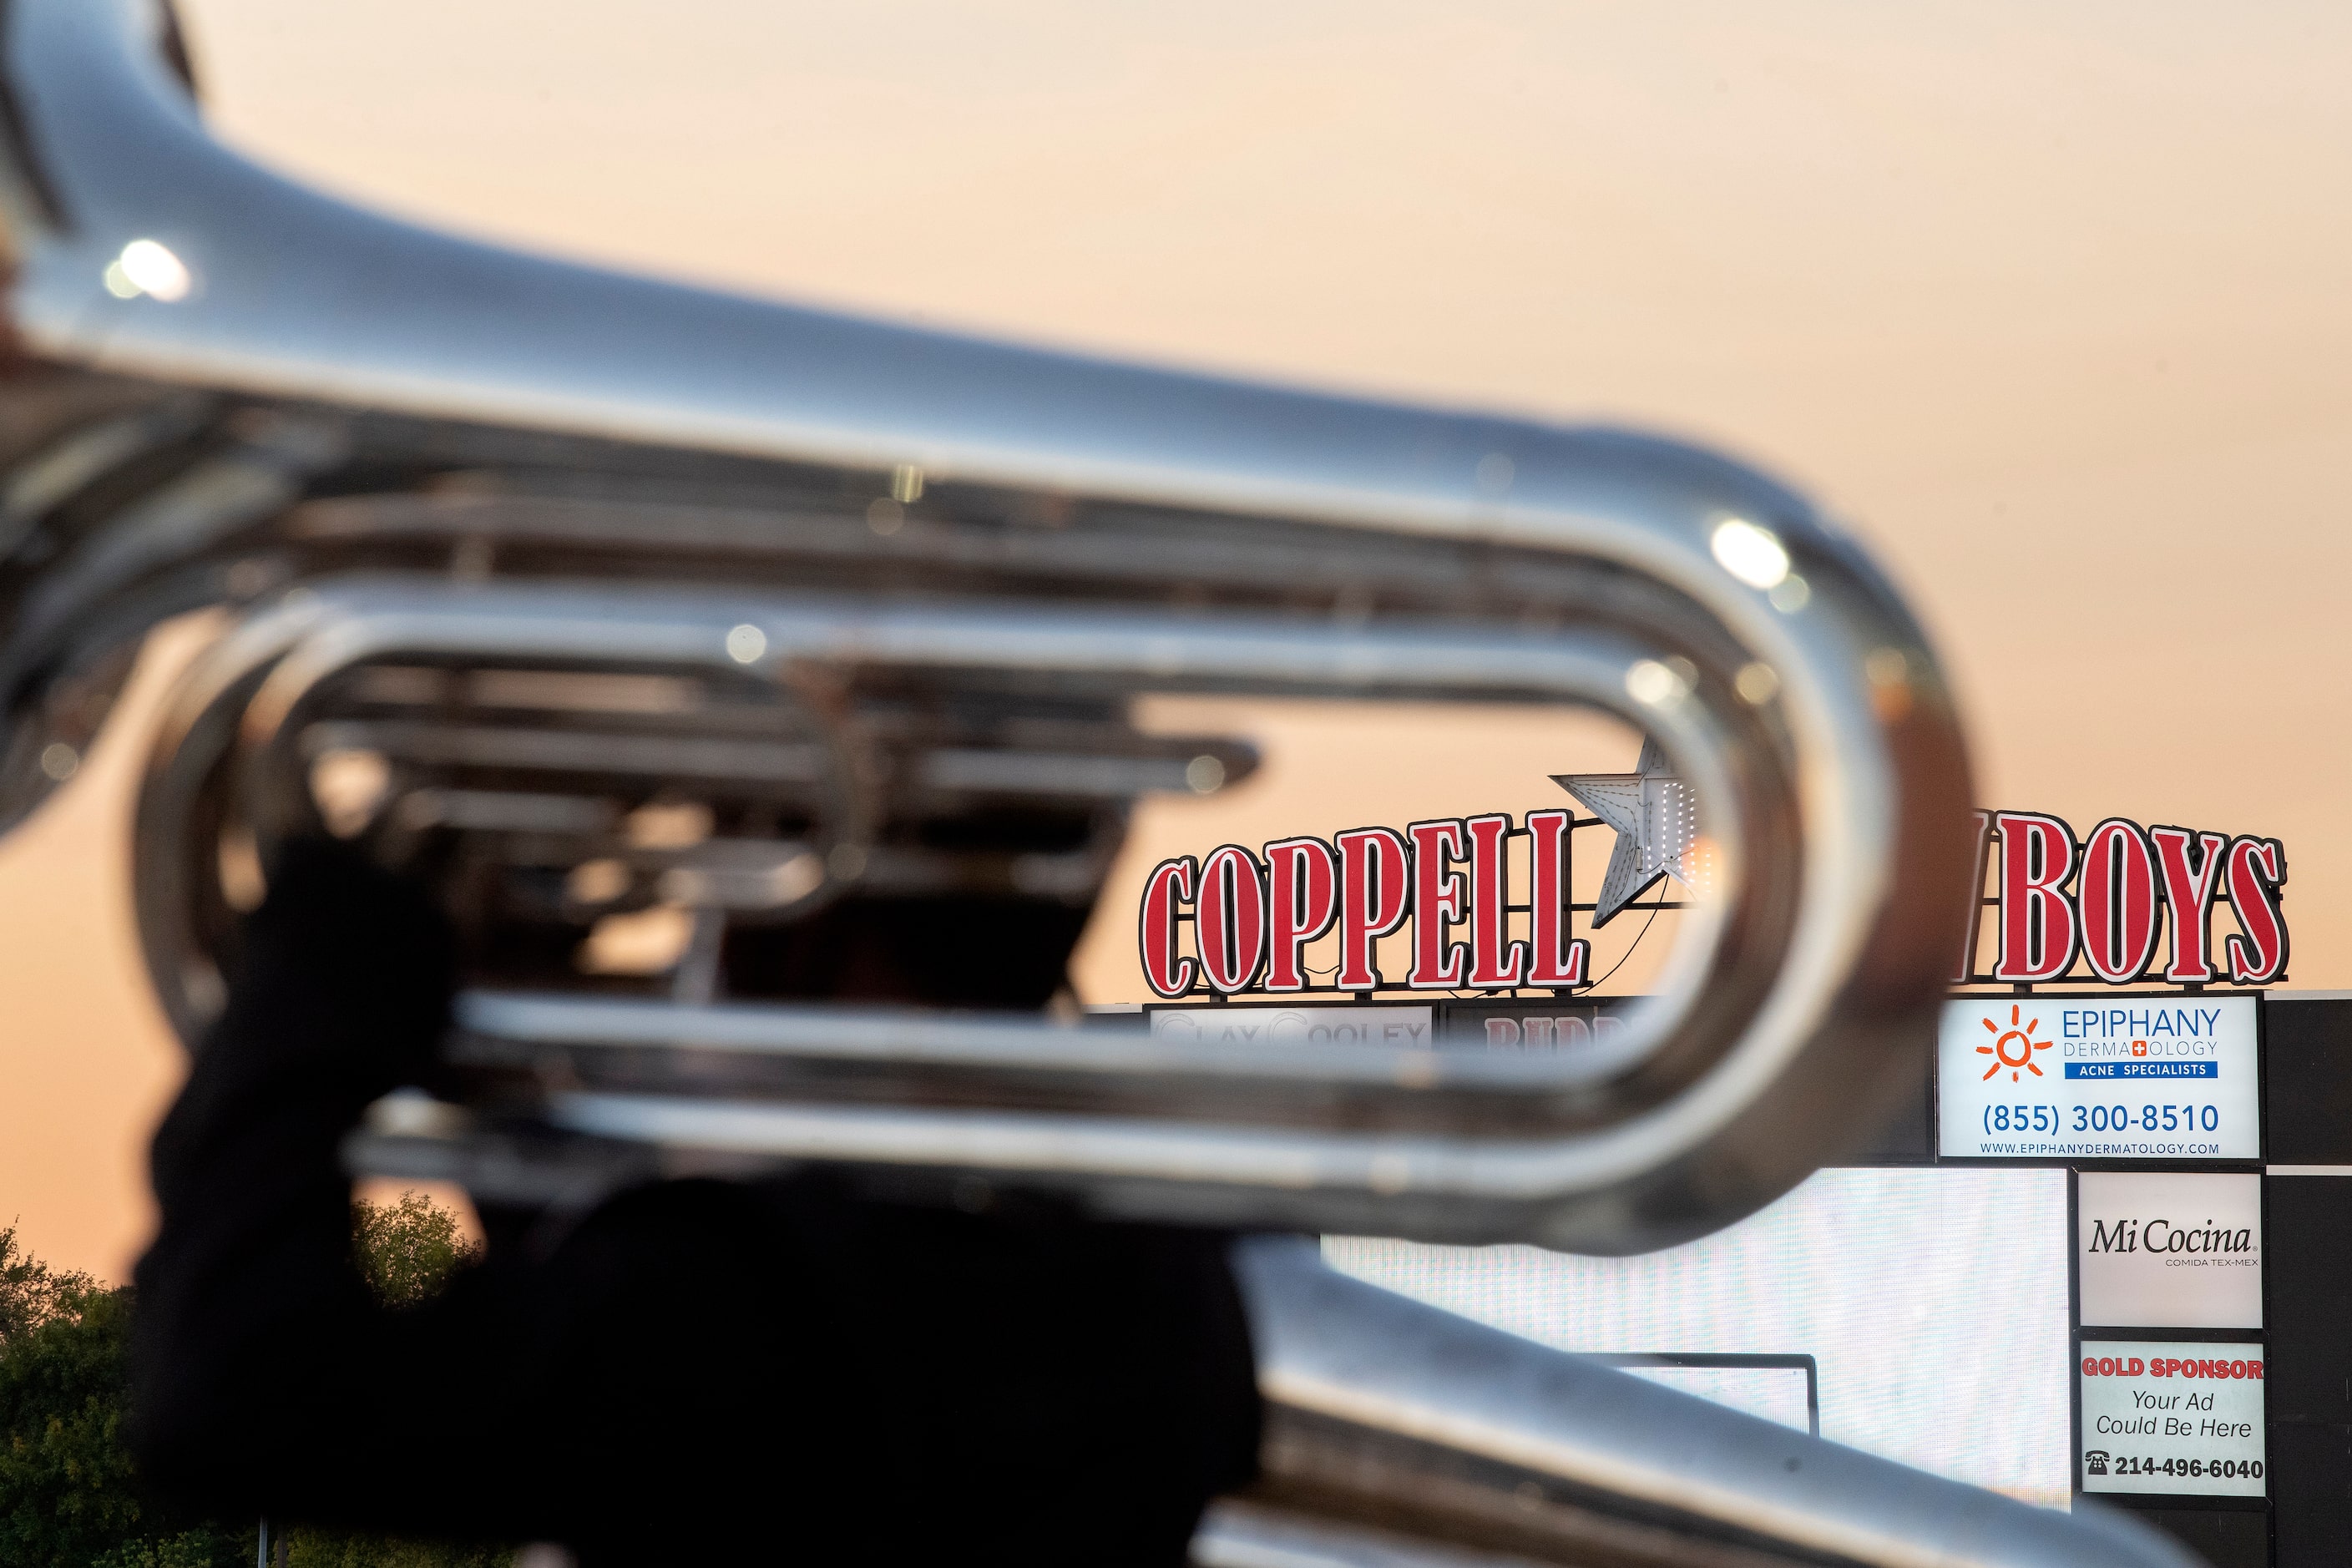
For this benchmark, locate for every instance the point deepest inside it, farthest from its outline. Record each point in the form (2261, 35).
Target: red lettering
(1302, 887)
(1496, 961)
(2257, 872)
(2037, 923)
(1170, 884)
(2137, 1367)
(2190, 890)
(2118, 901)
(1554, 963)
(1964, 969)
(1372, 894)
(1437, 896)
(1229, 923)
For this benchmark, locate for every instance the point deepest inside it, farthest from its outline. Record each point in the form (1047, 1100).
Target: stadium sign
(2096, 909)
(2125, 905)
(1253, 913)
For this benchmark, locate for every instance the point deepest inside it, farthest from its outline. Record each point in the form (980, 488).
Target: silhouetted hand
(698, 1370)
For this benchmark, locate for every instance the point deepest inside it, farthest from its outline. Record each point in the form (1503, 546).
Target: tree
(408, 1249)
(69, 1492)
(31, 1292)
(69, 1496)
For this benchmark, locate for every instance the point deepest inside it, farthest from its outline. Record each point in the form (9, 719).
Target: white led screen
(1781, 1394)
(1934, 1302)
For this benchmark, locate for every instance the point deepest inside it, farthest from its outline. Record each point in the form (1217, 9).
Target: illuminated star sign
(1657, 818)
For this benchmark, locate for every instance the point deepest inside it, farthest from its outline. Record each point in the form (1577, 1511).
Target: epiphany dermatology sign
(2136, 1076)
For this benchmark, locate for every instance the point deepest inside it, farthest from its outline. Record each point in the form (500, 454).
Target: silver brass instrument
(583, 595)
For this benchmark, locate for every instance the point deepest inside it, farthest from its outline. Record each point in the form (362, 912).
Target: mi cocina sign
(2174, 1250)
(2107, 900)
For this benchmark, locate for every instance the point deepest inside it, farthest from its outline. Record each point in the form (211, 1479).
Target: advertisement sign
(2178, 1420)
(2173, 1251)
(1408, 1028)
(1546, 1024)
(2098, 1078)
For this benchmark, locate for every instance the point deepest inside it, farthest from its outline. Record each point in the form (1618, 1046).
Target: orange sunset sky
(2047, 300)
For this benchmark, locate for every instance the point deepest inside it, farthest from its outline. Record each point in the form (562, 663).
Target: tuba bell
(789, 642)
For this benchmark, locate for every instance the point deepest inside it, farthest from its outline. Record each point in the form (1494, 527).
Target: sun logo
(2021, 1036)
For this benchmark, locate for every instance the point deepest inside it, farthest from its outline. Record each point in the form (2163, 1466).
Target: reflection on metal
(1400, 1433)
(605, 601)
(1236, 1534)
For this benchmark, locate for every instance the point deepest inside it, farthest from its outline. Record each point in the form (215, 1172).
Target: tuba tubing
(1400, 1433)
(419, 471)
(569, 591)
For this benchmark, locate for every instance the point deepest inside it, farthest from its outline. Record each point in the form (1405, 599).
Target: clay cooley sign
(2102, 901)
(1404, 1028)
